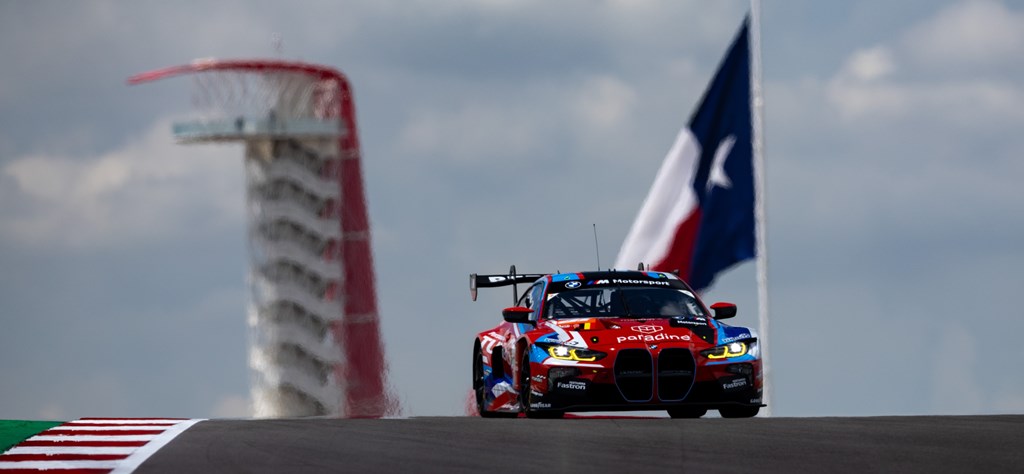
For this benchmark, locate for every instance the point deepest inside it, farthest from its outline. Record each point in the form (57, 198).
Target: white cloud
(933, 71)
(470, 132)
(969, 33)
(124, 195)
(604, 102)
(870, 64)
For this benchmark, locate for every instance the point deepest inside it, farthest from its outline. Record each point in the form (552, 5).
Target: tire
(526, 393)
(739, 411)
(687, 412)
(479, 387)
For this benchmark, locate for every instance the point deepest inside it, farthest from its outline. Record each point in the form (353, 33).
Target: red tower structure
(318, 348)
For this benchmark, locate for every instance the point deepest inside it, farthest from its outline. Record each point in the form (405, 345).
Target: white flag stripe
(112, 428)
(58, 464)
(127, 421)
(670, 200)
(123, 450)
(74, 438)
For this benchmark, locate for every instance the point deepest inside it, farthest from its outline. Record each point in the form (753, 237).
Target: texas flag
(699, 215)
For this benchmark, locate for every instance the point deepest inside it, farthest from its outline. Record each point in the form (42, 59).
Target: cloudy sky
(497, 132)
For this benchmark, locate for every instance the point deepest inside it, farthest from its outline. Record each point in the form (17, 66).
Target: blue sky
(498, 132)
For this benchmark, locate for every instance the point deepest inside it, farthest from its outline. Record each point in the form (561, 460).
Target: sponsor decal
(647, 329)
(650, 338)
(755, 400)
(573, 385)
(640, 282)
(675, 373)
(727, 340)
(572, 284)
(539, 378)
(652, 283)
(540, 405)
(568, 323)
(691, 322)
(733, 384)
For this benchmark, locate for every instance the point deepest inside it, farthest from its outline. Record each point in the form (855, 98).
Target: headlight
(561, 352)
(731, 350)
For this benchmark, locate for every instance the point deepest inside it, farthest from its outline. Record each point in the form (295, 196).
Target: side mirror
(724, 310)
(517, 314)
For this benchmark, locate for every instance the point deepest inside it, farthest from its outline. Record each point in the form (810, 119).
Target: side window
(537, 297)
(526, 300)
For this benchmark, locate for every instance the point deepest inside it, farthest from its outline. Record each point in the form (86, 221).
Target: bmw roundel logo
(572, 284)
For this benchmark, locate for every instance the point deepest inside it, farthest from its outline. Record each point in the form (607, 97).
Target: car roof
(613, 274)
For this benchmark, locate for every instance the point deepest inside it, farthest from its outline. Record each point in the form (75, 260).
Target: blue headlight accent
(727, 334)
(537, 354)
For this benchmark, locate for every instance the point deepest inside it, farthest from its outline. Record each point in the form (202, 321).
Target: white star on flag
(717, 174)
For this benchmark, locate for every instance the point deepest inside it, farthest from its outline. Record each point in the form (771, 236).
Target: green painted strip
(13, 432)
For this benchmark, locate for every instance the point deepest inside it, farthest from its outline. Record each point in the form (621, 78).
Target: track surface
(890, 444)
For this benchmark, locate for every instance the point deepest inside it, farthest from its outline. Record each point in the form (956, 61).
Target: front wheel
(479, 387)
(739, 411)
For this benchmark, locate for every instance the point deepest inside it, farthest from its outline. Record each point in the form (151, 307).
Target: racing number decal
(488, 342)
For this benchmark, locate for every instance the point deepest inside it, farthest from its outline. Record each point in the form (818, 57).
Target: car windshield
(622, 302)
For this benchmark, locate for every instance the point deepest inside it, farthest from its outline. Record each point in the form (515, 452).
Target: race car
(609, 341)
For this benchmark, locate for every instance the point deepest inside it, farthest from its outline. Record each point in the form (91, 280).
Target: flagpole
(757, 107)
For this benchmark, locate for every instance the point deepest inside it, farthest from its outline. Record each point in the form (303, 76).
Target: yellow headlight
(728, 351)
(565, 353)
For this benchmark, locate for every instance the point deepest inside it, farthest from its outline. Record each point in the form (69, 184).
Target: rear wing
(494, 281)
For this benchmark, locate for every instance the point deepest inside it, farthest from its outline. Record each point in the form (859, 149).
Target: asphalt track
(874, 444)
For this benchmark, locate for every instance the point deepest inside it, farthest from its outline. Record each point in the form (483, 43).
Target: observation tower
(316, 346)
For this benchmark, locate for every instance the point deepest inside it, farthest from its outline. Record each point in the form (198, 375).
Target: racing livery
(613, 340)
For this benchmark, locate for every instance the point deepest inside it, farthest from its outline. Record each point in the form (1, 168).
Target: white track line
(111, 428)
(125, 450)
(59, 464)
(140, 455)
(114, 421)
(77, 438)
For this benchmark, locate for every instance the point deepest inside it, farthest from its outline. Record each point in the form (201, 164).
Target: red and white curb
(94, 445)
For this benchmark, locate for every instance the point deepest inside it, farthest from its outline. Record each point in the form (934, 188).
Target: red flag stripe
(680, 252)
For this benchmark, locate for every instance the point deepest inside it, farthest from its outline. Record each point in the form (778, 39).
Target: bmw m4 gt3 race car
(613, 340)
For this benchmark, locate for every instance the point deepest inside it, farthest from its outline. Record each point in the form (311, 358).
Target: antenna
(597, 249)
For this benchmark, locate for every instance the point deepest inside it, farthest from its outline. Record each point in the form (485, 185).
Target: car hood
(604, 332)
